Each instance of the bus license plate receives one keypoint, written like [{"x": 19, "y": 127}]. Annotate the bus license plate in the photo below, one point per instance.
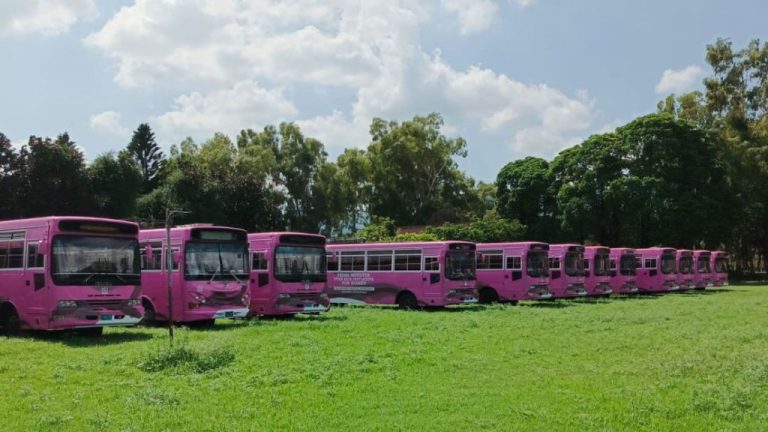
[
  {"x": 229, "y": 314},
  {"x": 106, "y": 317}
]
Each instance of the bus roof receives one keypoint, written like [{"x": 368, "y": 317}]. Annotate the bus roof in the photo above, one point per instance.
[
  {"x": 526, "y": 244},
  {"x": 395, "y": 245},
  {"x": 146, "y": 233},
  {"x": 272, "y": 234},
  {"x": 663, "y": 250},
  {"x": 39, "y": 221}
]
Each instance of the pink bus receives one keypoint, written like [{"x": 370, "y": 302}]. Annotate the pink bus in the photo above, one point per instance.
[
  {"x": 718, "y": 263},
  {"x": 623, "y": 270},
  {"x": 509, "y": 272},
  {"x": 685, "y": 269},
  {"x": 288, "y": 273},
  {"x": 597, "y": 278},
  {"x": 209, "y": 273},
  {"x": 657, "y": 273},
  {"x": 410, "y": 275},
  {"x": 68, "y": 272},
  {"x": 566, "y": 270},
  {"x": 702, "y": 276}
]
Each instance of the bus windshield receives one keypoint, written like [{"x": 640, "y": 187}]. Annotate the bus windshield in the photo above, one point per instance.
[
  {"x": 460, "y": 265},
  {"x": 537, "y": 264},
  {"x": 211, "y": 260},
  {"x": 703, "y": 266},
  {"x": 299, "y": 263},
  {"x": 628, "y": 265},
  {"x": 721, "y": 265},
  {"x": 574, "y": 264},
  {"x": 667, "y": 263},
  {"x": 601, "y": 265},
  {"x": 81, "y": 260},
  {"x": 686, "y": 265}
]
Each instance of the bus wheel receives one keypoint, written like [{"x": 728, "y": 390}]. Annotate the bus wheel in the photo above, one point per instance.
[
  {"x": 10, "y": 321},
  {"x": 90, "y": 331},
  {"x": 488, "y": 295},
  {"x": 150, "y": 318},
  {"x": 407, "y": 300}
]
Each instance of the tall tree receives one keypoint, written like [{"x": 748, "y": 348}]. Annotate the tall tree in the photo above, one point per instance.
[
  {"x": 54, "y": 176},
  {"x": 115, "y": 183},
  {"x": 414, "y": 178},
  {"x": 9, "y": 179},
  {"x": 523, "y": 193},
  {"x": 145, "y": 151}
]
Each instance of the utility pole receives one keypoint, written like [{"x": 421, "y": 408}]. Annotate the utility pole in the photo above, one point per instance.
[{"x": 169, "y": 266}]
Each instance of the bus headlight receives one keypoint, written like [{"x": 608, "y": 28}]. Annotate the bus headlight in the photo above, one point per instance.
[
  {"x": 283, "y": 296},
  {"x": 67, "y": 304},
  {"x": 133, "y": 302},
  {"x": 323, "y": 295}
]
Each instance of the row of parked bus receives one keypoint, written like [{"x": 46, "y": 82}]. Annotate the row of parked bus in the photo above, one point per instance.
[{"x": 88, "y": 273}]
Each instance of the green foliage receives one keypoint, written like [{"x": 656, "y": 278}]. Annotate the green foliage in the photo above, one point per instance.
[
  {"x": 115, "y": 183},
  {"x": 144, "y": 150},
  {"x": 413, "y": 173},
  {"x": 491, "y": 228},
  {"x": 380, "y": 229},
  {"x": 683, "y": 362},
  {"x": 523, "y": 193},
  {"x": 182, "y": 358},
  {"x": 10, "y": 179}
]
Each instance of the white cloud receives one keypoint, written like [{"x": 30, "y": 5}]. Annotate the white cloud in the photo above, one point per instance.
[
  {"x": 678, "y": 80},
  {"x": 372, "y": 49},
  {"x": 523, "y": 3},
  {"x": 20, "y": 17},
  {"x": 109, "y": 122},
  {"x": 244, "y": 105},
  {"x": 474, "y": 15}
]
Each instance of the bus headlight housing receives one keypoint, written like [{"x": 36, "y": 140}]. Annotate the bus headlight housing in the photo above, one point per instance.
[
  {"x": 67, "y": 304},
  {"x": 283, "y": 296},
  {"x": 133, "y": 302}
]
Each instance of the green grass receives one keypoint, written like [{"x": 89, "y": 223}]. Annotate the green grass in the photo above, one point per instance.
[{"x": 675, "y": 362}]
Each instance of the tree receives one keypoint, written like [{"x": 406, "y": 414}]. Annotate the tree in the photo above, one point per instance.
[
  {"x": 115, "y": 183},
  {"x": 145, "y": 151},
  {"x": 414, "y": 178},
  {"x": 9, "y": 179},
  {"x": 54, "y": 177},
  {"x": 523, "y": 193}
]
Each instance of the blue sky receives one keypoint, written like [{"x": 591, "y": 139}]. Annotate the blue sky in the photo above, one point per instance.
[{"x": 513, "y": 77}]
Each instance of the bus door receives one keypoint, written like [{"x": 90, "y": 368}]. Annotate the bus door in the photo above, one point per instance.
[
  {"x": 513, "y": 271},
  {"x": 260, "y": 278},
  {"x": 432, "y": 272}
]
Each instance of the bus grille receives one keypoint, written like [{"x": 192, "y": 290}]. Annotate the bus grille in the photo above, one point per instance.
[
  {"x": 104, "y": 304},
  {"x": 305, "y": 296}
]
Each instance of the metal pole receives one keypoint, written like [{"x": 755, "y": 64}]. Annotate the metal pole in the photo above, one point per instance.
[{"x": 168, "y": 268}]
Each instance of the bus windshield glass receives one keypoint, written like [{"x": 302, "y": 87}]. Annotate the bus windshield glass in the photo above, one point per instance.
[
  {"x": 721, "y": 265},
  {"x": 81, "y": 260},
  {"x": 299, "y": 263},
  {"x": 667, "y": 263},
  {"x": 537, "y": 264},
  {"x": 703, "y": 266},
  {"x": 215, "y": 260},
  {"x": 628, "y": 265},
  {"x": 601, "y": 265},
  {"x": 686, "y": 265},
  {"x": 574, "y": 264},
  {"x": 460, "y": 265}
]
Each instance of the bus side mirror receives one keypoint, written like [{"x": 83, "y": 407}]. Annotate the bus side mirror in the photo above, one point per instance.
[
  {"x": 149, "y": 252},
  {"x": 43, "y": 248},
  {"x": 334, "y": 256},
  {"x": 176, "y": 255}
]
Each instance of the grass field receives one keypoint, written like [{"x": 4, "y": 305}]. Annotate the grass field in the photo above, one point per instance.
[{"x": 695, "y": 361}]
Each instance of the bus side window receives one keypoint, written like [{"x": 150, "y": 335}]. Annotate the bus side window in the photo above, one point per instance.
[
  {"x": 259, "y": 261},
  {"x": 34, "y": 259}
]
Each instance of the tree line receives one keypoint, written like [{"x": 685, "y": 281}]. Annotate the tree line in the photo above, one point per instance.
[{"x": 692, "y": 174}]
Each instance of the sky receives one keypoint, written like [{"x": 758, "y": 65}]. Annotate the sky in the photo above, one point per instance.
[{"x": 512, "y": 77}]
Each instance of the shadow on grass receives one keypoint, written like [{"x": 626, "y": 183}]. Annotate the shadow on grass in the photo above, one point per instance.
[
  {"x": 548, "y": 304},
  {"x": 708, "y": 291},
  {"x": 74, "y": 340},
  {"x": 302, "y": 317}
]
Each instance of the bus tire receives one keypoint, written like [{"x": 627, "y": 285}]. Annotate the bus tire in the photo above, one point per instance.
[
  {"x": 488, "y": 295},
  {"x": 150, "y": 317},
  {"x": 9, "y": 319},
  {"x": 406, "y": 300}
]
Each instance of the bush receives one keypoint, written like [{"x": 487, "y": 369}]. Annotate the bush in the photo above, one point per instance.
[{"x": 182, "y": 358}]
